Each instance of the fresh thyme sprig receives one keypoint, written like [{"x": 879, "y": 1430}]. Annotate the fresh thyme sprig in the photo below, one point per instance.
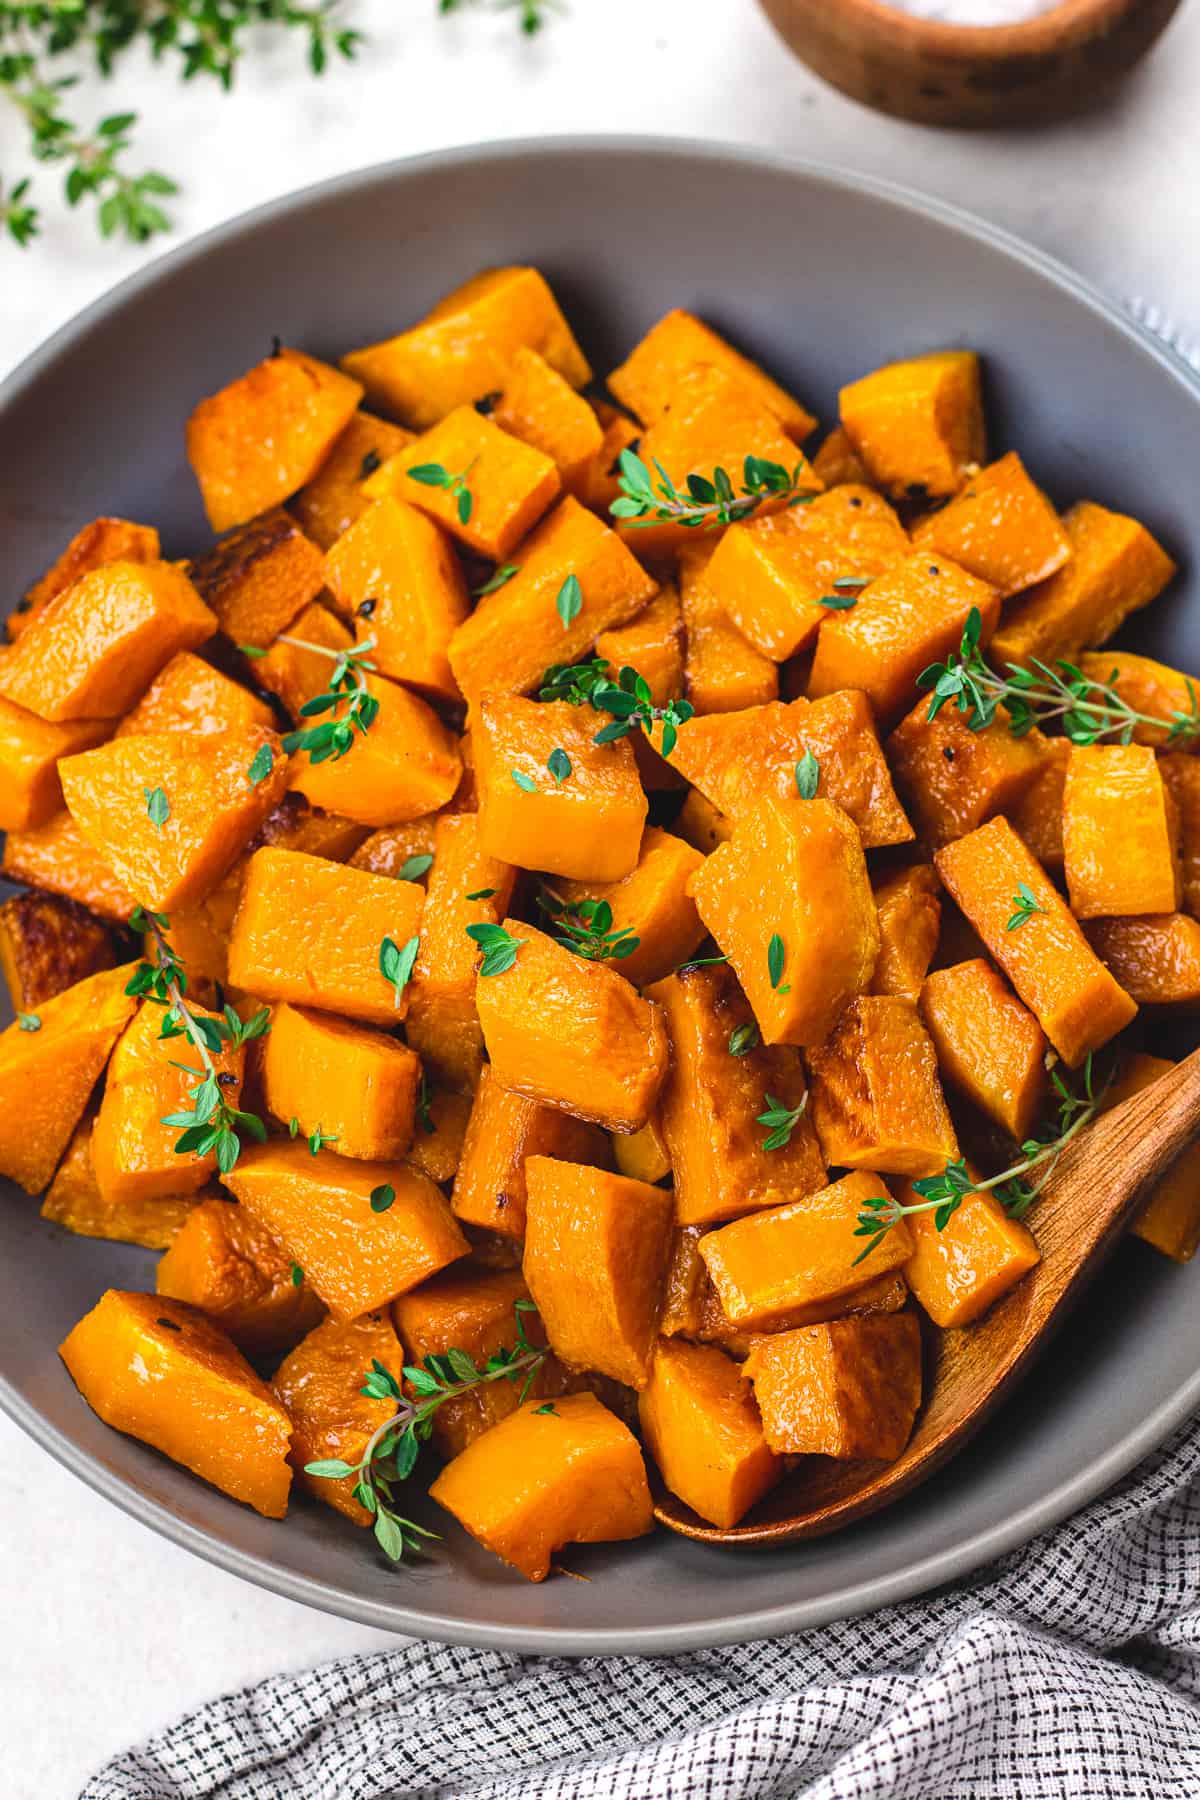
[
  {"x": 332, "y": 738},
  {"x": 629, "y": 699},
  {"x": 210, "y": 1124},
  {"x": 392, "y": 1450},
  {"x": 585, "y": 927},
  {"x": 1024, "y": 903},
  {"x": 499, "y": 948},
  {"x": 1038, "y": 695},
  {"x": 780, "y": 1121},
  {"x": 434, "y": 475},
  {"x": 703, "y": 501}
]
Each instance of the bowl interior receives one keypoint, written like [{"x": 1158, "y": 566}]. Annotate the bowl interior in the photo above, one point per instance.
[{"x": 823, "y": 277}]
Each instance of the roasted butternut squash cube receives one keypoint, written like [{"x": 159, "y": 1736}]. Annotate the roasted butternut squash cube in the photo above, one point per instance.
[
  {"x": 766, "y": 1265},
  {"x": 989, "y": 1046},
  {"x": 443, "y": 1023},
  {"x": 1037, "y": 818},
  {"x": 329, "y": 504},
  {"x": 103, "y": 541},
  {"x": 652, "y": 644},
  {"x": 47, "y": 1073},
  {"x": 320, "y": 1384},
  {"x": 917, "y": 425},
  {"x": 653, "y": 903},
  {"x": 720, "y": 1078},
  {"x": 223, "y": 1262},
  {"x": 1149, "y": 687},
  {"x": 848, "y": 1389},
  {"x": 161, "y": 1372},
  {"x": 959, "y": 1272},
  {"x": 440, "y": 1134},
  {"x": 1155, "y": 957},
  {"x": 388, "y": 851},
  {"x": 680, "y": 343},
  {"x": 406, "y": 765},
  {"x": 554, "y": 1473},
  {"x": 596, "y": 1252},
  {"x": 643, "y": 1155},
  {"x": 294, "y": 674},
  {"x": 952, "y": 778},
  {"x": 357, "y": 1086},
  {"x": 909, "y": 617},
  {"x": 1120, "y": 833},
  {"x": 910, "y": 918},
  {"x": 311, "y": 932},
  {"x": 1062, "y": 981},
  {"x": 1001, "y": 527},
  {"x": 1169, "y": 1219},
  {"x": 295, "y": 825},
  {"x": 540, "y": 407},
  {"x": 257, "y": 440},
  {"x": 398, "y": 574},
  {"x": 189, "y": 695},
  {"x": 1116, "y": 567},
  {"x": 572, "y": 1033},
  {"x": 56, "y": 856},
  {"x": 358, "y": 1249},
  {"x": 723, "y": 672},
  {"x": 877, "y": 1102},
  {"x": 74, "y": 1201},
  {"x": 94, "y": 649},
  {"x": 259, "y": 578},
  {"x": 885, "y": 1294},
  {"x": 463, "y": 349},
  {"x": 30, "y": 749},
  {"x": 503, "y": 1130},
  {"x": 515, "y": 634},
  {"x": 776, "y": 576},
  {"x": 702, "y": 1428},
  {"x": 583, "y": 819},
  {"x": 789, "y": 901},
  {"x": 601, "y": 484},
  {"x": 47, "y": 945},
  {"x": 1181, "y": 777},
  {"x": 837, "y": 462}
]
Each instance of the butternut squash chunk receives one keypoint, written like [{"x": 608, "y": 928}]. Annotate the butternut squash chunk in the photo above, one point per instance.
[
  {"x": 838, "y": 464},
  {"x": 702, "y": 1428},
  {"x": 161, "y": 1372},
  {"x": 1149, "y": 687},
  {"x": 957, "y": 1274},
  {"x": 548, "y": 1476},
  {"x": 47, "y": 945},
  {"x": 601, "y": 484},
  {"x": 789, "y": 902},
  {"x": 1116, "y": 568},
  {"x": 701, "y": 825},
  {"x": 877, "y": 1102},
  {"x": 259, "y": 578},
  {"x": 909, "y": 617},
  {"x": 320, "y": 1384},
  {"x": 583, "y": 819},
  {"x": 952, "y": 779},
  {"x": 408, "y": 764},
  {"x": 74, "y": 1201},
  {"x": 311, "y": 932},
  {"x": 356, "y": 1085},
  {"x": 502, "y": 1131},
  {"x": 1155, "y": 957},
  {"x": 652, "y": 644},
  {"x": 56, "y": 856},
  {"x": 295, "y": 675},
  {"x": 1181, "y": 777},
  {"x": 515, "y": 634},
  {"x": 222, "y": 1262},
  {"x": 917, "y": 425},
  {"x": 47, "y": 1075},
  {"x": 766, "y": 1265},
  {"x": 295, "y": 825},
  {"x": 1120, "y": 833},
  {"x": 910, "y": 917},
  {"x": 1000, "y": 527},
  {"x": 686, "y": 1286},
  {"x": 388, "y": 851},
  {"x": 1037, "y": 818},
  {"x": 358, "y": 1249},
  {"x": 1062, "y": 981},
  {"x": 885, "y": 1294},
  {"x": 989, "y": 1046},
  {"x": 441, "y": 1131},
  {"x": 329, "y": 504},
  {"x": 103, "y": 541},
  {"x": 647, "y": 380},
  {"x": 189, "y": 695},
  {"x": 713, "y": 1095},
  {"x": 398, "y": 574},
  {"x": 643, "y": 1155},
  {"x": 463, "y": 349},
  {"x": 723, "y": 672},
  {"x": 652, "y": 901},
  {"x": 95, "y": 648},
  {"x": 1169, "y": 1219},
  {"x": 30, "y": 749},
  {"x": 540, "y": 407},
  {"x": 266, "y": 434},
  {"x": 849, "y": 1389},
  {"x": 596, "y": 1252}
]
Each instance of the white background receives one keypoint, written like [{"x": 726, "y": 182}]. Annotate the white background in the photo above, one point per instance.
[{"x": 109, "y": 1632}]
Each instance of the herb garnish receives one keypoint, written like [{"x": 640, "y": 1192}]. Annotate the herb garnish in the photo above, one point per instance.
[
  {"x": 559, "y": 765},
  {"x": 261, "y": 766},
  {"x": 480, "y": 894},
  {"x": 526, "y": 783},
  {"x": 782, "y": 1121},
  {"x": 776, "y": 958},
  {"x": 574, "y": 682},
  {"x": 297, "y": 1275},
  {"x": 503, "y": 574},
  {"x": 434, "y": 475},
  {"x": 585, "y": 927},
  {"x": 499, "y": 948},
  {"x": 332, "y": 738},
  {"x": 629, "y": 699},
  {"x": 808, "y": 775},
  {"x": 158, "y": 807},
  {"x": 29, "y": 1021},
  {"x": 414, "y": 867},
  {"x": 396, "y": 962},
  {"x": 317, "y": 1140},
  {"x": 703, "y": 502},
  {"x": 382, "y": 1197},
  {"x": 846, "y": 590},
  {"x": 1026, "y": 903},
  {"x": 700, "y": 962},
  {"x": 743, "y": 1039},
  {"x": 569, "y": 603}
]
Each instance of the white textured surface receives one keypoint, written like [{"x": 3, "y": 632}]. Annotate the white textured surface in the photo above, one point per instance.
[{"x": 108, "y": 1631}]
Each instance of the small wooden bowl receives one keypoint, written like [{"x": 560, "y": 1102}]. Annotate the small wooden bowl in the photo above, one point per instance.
[{"x": 938, "y": 74}]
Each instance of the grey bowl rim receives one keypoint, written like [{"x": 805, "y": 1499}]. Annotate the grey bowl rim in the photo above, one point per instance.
[{"x": 765, "y": 1622}]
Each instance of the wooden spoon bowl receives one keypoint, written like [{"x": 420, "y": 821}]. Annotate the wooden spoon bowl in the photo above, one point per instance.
[{"x": 1082, "y": 1212}]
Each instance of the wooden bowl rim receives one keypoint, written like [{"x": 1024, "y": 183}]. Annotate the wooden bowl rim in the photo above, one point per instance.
[{"x": 1064, "y": 25}]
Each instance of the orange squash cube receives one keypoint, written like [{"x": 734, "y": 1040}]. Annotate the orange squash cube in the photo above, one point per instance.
[
  {"x": 1169, "y": 1220},
  {"x": 329, "y": 504},
  {"x": 357, "y": 1248},
  {"x": 917, "y": 425},
  {"x": 989, "y": 1046},
  {"x": 601, "y": 483},
  {"x": 223, "y": 1262},
  {"x": 74, "y": 1201},
  {"x": 161, "y": 1372},
  {"x": 103, "y": 541},
  {"x": 1120, "y": 833},
  {"x": 189, "y": 695},
  {"x": 30, "y": 749},
  {"x": 643, "y": 1155},
  {"x": 266, "y": 434},
  {"x": 320, "y": 1384},
  {"x": 848, "y": 1389},
  {"x": 1149, "y": 687},
  {"x": 713, "y": 1095},
  {"x": 47, "y": 945},
  {"x": 1001, "y": 527},
  {"x": 1062, "y": 981},
  {"x": 910, "y": 918},
  {"x": 952, "y": 779},
  {"x": 1155, "y": 957},
  {"x": 572, "y": 1033},
  {"x": 505, "y": 1129},
  {"x": 1181, "y": 777},
  {"x": 653, "y": 902},
  {"x": 768, "y": 1264},
  {"x": 260, "y": 577},
  {"x": 906, "y": 619},
  {"x": 297, "y": 675},
  {"x": 723, "y": 672},
  {"x": 958, "y": 1273},
  {"x": 1037, "y": 818},
  {"x": 886, "y": 1294},
  {"x": 702, "y": 1428},
  {"x": 540, "y": 407},
  {"x": 440, "y": 1134},
  {"x": 679, "y": 344},
  {"x": 56, "y": 856},
  {"x": 838, "y": 464},
  {"x": 789, "y": 901},
  {"x": 406, "y": 765},
  {"x": 652, "y": 644},
  {"x": 554, "y": 1473},
  {"x": 877, "y": 1102},
  {"x": 355, "y": 1085},
  {"x": 398, "y": 573}
]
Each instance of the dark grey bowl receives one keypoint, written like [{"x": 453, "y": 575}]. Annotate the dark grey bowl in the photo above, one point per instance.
[{"x": 824, "y": 275}]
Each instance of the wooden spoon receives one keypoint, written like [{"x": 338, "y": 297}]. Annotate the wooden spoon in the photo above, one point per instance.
[{"x": 1080, "y": 1215}]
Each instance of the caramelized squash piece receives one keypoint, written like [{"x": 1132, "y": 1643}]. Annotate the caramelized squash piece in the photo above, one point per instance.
[
  {"x": 876, "y": 1098},
  {"x": 989, "y": 1046},
  {"x": 1149, "y": 687},
  {"x": 849, "y": 1389},
  {"x": 596, "y": 1252},
  {"x": 885, "y": 1294},
  {"x": 56, "y": 856},
  {"x": 74, "y": 1201},
  {"x": 550, "y": 1475},
  {"x": 358, "y": 1087},
  {"x": 1181, "y": 778},
  {"x": 652, "y": 644},
  {"x": 838, "y": 464},
  {"x": 357, "y": 1248},
  {"x": 540, "y": 407},
  {"x": 223, "y": 1262},
  {"x": 47, "y": 945},
  {"x": 680, "y": 343},
  {"x": 103, "y": 541},
  {"x": 643, "y": 1155},
  {"x": 703, "y": 1429},
  {"x": 398, "y": 574},
  {"x": 1001, "y": 527},
  {"x": 161, "y": 1372},
  {"x": 1120, "y": 833},
  {"x": 1061, "y": 980},
  {"x": 653, "y": 902},
  {"x": 30, "y": 749},
  {"x": 329, "y": 504},
  {"x": 952, "y": 779},
  {"x": 789, "y": 901},
  {"x": 723, "y": 672},
  {"x": 503, "y": 1130},
  {"x": 687, "y": 1288},
  {"x": 910, "y": 918},
  {"x": 189, "y": 695},
  {"x": 320, "y": 1384},
  {"x": 441, "y": 1131},
  {"x": 298, "y": 675},
  {"x": 1037, "y": 818},
  {"x": 266, "y": 434},
  {"x": 1155, "y": 958},
  {"x": 572, "y": 1033},
  {"x": 958, "y": 1273},
  {"x": 917, "y": 425},
  {"x": 259, "y": 578},
  {"x": 1169, "y": 1219},
  {"x": 408, "y": 764}
]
